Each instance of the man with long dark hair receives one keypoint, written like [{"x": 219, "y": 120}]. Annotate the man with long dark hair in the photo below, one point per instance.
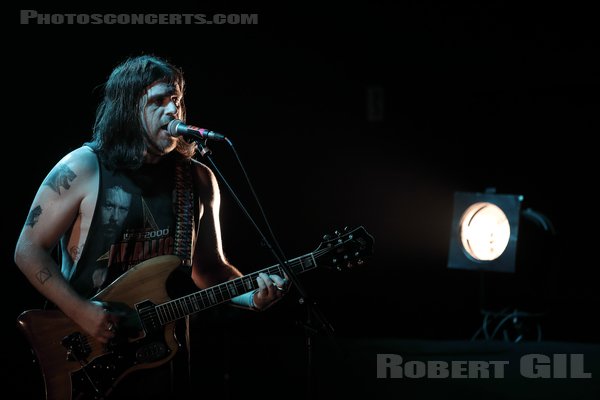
[{"x": 131, "y": 194}]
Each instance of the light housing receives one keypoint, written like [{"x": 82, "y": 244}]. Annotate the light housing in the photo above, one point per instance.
[{"x": 485, "y": 228}]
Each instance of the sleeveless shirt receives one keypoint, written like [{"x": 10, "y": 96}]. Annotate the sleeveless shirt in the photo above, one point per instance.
[{"x": 134, "y": 220}]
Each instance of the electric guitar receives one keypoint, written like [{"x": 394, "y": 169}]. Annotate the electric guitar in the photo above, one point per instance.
[{"x": 76, "y": 366}]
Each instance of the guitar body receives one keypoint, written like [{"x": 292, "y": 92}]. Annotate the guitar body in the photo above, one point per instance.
[{"x": 76, "y": 366}]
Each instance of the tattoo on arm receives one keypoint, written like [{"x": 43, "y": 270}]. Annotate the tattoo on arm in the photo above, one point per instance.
[
  {"x": 33, "y": 216},
  {"x": 61, "y": 176},
  {"x": 43, "y": 275}
]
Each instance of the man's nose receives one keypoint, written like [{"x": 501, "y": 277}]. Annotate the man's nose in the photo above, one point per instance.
[
  {"x": 171, "y": 108},
  {"x": 115, "y": 215}
]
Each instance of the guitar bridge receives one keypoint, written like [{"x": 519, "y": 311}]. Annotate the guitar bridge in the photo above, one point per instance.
[{"x": 77, "y": 346}]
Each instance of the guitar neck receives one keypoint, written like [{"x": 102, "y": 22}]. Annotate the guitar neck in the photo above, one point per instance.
[{"x": 178, "y": 308}]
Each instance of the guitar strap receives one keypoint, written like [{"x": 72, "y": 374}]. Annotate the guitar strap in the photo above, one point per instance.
[
  {"x": 184, "y": 212},
  {"x": 185, "y": 205}
]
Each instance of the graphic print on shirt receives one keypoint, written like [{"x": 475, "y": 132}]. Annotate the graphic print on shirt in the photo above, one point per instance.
[
  {"x": 130, "y": 243},
  {"x": 138, "y": 244},
  {"x": 113, "y": 211}
]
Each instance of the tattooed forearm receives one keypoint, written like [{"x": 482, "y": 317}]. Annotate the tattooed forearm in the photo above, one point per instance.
[
  {"x": 61, "y": 176},
  {"x": 33, "y": 216},
  {"x": 43, "y": 275}
]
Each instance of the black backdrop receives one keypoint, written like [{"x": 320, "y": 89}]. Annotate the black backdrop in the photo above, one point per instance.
[{"x": 466, "y": 97}]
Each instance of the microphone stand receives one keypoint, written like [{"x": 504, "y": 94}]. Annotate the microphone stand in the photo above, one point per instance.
[{"x": 315, "y": 319}]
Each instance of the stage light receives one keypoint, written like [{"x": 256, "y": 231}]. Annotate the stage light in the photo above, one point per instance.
[{"x": 485, "y": 227}]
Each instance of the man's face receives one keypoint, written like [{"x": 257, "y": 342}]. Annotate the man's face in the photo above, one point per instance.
[
  {"x": 115, "y": 210},
  {"x": 160, "y": 104}
]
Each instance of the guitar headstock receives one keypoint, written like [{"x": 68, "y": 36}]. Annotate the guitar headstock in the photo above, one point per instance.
[{"x": 345, "y": 249}]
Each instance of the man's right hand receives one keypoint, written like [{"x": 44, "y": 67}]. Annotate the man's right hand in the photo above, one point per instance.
[{"x": 95, "y": 319}]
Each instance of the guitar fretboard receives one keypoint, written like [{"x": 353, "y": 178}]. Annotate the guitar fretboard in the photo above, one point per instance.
[{"x": 215, "y": 295}]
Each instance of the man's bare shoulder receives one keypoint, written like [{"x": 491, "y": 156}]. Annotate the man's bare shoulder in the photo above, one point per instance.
[
  {"x": 203, "y": 173},
  {"x": 76, "y": 169},
  {"x": 82, "y": 161},
  {"x": 206, "y": 182}
]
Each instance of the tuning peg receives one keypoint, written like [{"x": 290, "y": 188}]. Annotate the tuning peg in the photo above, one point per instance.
[
  {"x": 346, "y": 228},
  {"x": 326, "y": 237},
  {"x": 338, "y": 233}
]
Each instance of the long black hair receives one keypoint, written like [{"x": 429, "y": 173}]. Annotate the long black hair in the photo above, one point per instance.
[{"x": 118, "y": 132}]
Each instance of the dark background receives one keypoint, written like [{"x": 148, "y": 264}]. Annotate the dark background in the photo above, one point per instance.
[{"x": 474, "y": 96}]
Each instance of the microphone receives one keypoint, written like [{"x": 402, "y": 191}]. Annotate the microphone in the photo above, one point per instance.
[{"x": 177, "y": 128}]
